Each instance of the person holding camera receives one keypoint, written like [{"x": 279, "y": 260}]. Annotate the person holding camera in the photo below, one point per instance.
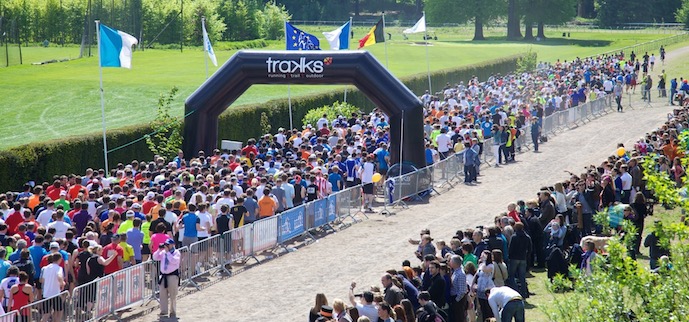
[{"x": 169, "y": 259}]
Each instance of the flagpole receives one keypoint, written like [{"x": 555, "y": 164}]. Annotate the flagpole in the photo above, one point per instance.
[
  {"x": 205, "y": 49},
  {"x": 102, "y": 99},
  {"x": 205, "y": 46},
  {"x": 349, "y": 32},
  {"x": 428, "y": 62},
  {"x": 289, "y": 103},
  {"x": 386, "y": 43},
  {"x": 289, "y": 88}
]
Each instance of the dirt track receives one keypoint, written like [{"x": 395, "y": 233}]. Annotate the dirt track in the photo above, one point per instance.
[{"x": 283, "y": 289}]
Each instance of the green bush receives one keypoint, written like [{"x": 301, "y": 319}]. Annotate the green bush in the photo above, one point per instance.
[
  {"x": 332, "y": 111},
  {"x": 40, "y": 161}
]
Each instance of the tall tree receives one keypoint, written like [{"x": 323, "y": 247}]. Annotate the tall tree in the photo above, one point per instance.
[
  {"x": 682, "y": 14},
  {"x": 542, "y": 12},
  {"x": 513, "y": 31},
  {"x": 478, "y": 11}
]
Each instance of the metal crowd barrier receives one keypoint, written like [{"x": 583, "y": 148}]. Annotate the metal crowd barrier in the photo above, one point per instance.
[
  {"x": 446, "y": 171},
  {"x": 9, "y": 316},
  {"x": 36, "y": 311}
]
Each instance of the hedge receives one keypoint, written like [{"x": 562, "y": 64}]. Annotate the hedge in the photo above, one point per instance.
[{"x": 40, "y": 161}]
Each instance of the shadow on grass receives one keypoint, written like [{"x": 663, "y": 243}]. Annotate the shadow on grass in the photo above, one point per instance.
[{"x": 544, "y": 42}]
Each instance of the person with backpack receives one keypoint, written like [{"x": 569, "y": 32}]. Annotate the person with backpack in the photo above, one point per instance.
[{"x": 429, "y": 312}]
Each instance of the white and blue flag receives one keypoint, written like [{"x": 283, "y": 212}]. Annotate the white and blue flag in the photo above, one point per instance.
[
  {"x": 115, "y": 47},
  {"x": 339, "y": 38},
  {"x": 207, "y": 44}
]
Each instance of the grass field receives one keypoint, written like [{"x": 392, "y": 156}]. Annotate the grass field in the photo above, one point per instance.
[{"x": 58, "y": 100}]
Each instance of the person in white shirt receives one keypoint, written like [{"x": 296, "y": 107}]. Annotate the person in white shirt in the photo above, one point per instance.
[
  {"x": 506, "y": 304},
  {"x": 444, "y": 143},
  {"x": 626, "y": 184},
  {"x": 59, "y": 224},
  {"x": 366, "y": 174},
  {"x": 366, "y": 307},
  {"x": 53, "y": 281},
  {"x": 226, "y": 199},
  {"x": 7, "y": 283},
  {"x": 205, "y": 220},
  {"x": 46, "y": 215},
  {"x": 322, "y": 121}
]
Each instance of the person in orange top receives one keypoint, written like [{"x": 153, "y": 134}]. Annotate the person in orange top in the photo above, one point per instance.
[
  {"x": 76, "y": 189},
  {"x": 669, "y": 149},
  {"x": 35, "y": 199},
  {"x": 266, "y": 205},
  {"x": 160, "y": 204}
]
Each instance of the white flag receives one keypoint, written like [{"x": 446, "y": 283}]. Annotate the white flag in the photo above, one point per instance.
[
  {"x": 338, "y": 38},
  {"x": 420, "y": 26},
  {"x": 207, "y": 44}
]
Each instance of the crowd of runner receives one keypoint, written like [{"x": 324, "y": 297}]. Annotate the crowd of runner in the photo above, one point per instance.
[
  {"x": 481, "y": 273},
  {"x": 61, "y": 234}
]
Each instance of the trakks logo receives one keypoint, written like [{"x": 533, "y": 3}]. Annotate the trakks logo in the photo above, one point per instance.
[{"x": 296, "y": 68}]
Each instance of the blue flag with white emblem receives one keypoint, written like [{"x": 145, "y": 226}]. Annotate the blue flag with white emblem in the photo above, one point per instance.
[{"x": 296, "y": 39}]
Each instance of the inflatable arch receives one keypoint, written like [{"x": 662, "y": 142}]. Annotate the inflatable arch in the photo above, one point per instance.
[{"x": 358, "y": 68}]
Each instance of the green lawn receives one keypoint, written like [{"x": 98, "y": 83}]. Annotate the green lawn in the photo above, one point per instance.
[{"x": 58, "y": 100}]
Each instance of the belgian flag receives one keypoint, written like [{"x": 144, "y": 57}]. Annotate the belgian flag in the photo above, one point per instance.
[{"x": 376, "y": 35}]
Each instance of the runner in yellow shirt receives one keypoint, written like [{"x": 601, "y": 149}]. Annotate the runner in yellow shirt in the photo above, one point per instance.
[{"x": 128, "y": 252}]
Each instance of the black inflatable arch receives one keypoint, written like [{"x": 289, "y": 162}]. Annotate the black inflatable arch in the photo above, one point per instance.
[{"x": 358, "y": 68}]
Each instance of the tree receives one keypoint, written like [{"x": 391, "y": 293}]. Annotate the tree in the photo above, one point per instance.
[
  {"x": 480, "y": 11},
  {"x": 272, "y": 21},
  {"x": 166, "y": 139},
  {"x": 541, "y": 12},
  {"x": 242, "y": 16},
  {"x": 513, "y": 31},
  {"x": 682, "y": 14}
]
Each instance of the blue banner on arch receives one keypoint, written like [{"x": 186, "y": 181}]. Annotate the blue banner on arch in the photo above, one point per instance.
[
  {"x": 332, "y": 208},
  {"x": 320, "y": 213},
  {"x": 291, "y": 224}
]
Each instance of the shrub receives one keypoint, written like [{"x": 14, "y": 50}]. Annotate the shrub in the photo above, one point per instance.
[{"x": 332, "y": 111}]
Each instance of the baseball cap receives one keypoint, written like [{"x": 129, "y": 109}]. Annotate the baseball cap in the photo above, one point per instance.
[
  {"x": 116, "y": 236},
  {"x": 169, "y": 241},
  {"x": 54, "y": 245},
  {"x": 130, "y": 213}
]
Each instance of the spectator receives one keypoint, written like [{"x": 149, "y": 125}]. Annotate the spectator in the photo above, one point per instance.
[
  {"x": 506, "y": 304},
  {"x": 321, "y": 300},
  {"x": 169, "y": 259},
  {"x": 437, "y": 286},
  {"x": 385, "y": 313},
  {"x": 520, "y": 249},
  {"x": 392, "y": 293},
  {"x": 458, "y": 290}
]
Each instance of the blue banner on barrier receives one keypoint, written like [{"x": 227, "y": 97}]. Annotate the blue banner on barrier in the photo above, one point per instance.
[
  {"x": 321, "y": 212},
  {"x": 332, "y": 208},
  {"x": 291, "y": 224}
]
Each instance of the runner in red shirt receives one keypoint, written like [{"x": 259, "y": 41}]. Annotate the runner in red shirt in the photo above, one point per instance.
[
  {"x": 53, "y": 192},
  {"x": 14, "y": 219},
  {"x": 108, "y": 250}
]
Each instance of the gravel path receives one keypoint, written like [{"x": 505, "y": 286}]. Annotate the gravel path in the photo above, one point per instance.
[{"x": 283, "y": 289}]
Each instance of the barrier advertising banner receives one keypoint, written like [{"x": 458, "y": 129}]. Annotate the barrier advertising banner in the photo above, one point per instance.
[{"x": 291, "y": 223}]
